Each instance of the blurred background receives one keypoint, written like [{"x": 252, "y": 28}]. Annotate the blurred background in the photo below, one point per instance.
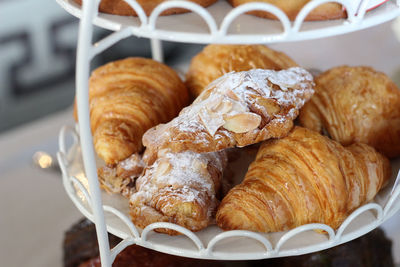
[
  {"x": 37, "y": 58},
  {"x": 37, "y": 70}
]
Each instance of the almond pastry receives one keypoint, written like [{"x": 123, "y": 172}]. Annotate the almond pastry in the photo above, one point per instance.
[
  {"x": 180, "y": 188},
  {"x": 238, "y": 109}
]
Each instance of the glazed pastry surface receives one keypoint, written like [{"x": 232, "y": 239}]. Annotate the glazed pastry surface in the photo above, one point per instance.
[
  {"x": 291, "y": 8},
  {"x": 216, "y": 60},
  {"x": 180, "y": 188},
  {"x": 127, "y": 97},
  {"x": 356, "y": 104},
  {"x": 237, "y": 109},
  {"x": 120, "y": 7},
  {"x": 300, "y": 179}
]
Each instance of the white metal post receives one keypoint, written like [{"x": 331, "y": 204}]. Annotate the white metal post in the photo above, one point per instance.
[
  {"x": 156, "y": 50},
  {"x": 82, "y": 97}
]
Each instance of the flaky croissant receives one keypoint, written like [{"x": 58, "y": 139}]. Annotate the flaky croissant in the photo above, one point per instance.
[
  {"x": 216, "y": 60},
  {"x": 356, "y": 104},
  {"x": 127, "y": 97},
  {"x": 303, "y": 178},
  {"x": 180, "y": 188},
  {"x": 238, "y": 109}
]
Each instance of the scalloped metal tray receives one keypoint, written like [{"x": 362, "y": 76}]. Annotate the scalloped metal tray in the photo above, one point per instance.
[
  {"x": 220, "y": 23},
  {"x": 212, "y": 242}
]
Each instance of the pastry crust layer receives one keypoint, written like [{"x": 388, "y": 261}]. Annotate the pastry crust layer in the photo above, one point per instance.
[
  {"x": 300, "y": 179},
  {"x": 356, "y": 104},
  {"x": 216, "y": 60}
]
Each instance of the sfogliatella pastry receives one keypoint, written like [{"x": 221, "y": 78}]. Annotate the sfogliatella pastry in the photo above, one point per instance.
[
  {"x": 303, "y": 178},
  {"x": 127, "y": 97},
  {"x": 325, "y": 11},
  {"x": 216, "y": 60},
  {"x": 120, "y": 178},
  {"x": 120, "y": 7},
  {"x": 238, "y": 109},
  {"x": 180, "y": 188},
  {"x": 356, "y": 104}
]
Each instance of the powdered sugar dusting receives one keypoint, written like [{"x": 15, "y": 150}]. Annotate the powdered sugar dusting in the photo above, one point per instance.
[
  {"x": 184, "y": 174},
  {"x": 290, "y": 89},
  {"x": 132, "y": 162}
]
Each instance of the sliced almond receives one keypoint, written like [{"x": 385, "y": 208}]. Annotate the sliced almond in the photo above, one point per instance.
[
  {"x": 223, "y": 107},
  {"x": 212, "y": 121},
  {"x": 231, "y": 94},
  {"x": 162, "y": 152},
  {"x": 204, "y": 95},
  {"x": 163, "y": 168},
  {"x": 213, "y": 102},
  {"x": 271, "y": 107},
  {"x": 242, "y": 123},
  {"x": 199, "y": 165}
]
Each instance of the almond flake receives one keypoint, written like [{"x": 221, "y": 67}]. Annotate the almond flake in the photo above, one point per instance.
[
  {"x": 163, "y": 168},
  {"x": 229, "y": 93},
  {"x": 242, "y": 123},
  {"x": 162, "y": 152},
  {"x": 271, "y": 107},
  {"x": 212, "y": 121},
  {"x": 223, "y": 107}
]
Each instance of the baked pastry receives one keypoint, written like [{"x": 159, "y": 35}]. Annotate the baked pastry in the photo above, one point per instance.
[
  {"x": 120, "y": 178},
  {"x": 238, "y": 109},
  {"x": 300, "y": 179},
  {"x": 180, "y": 188},
  {"x": 122, "y": 8},
  {"x": 127, "y": 97},
  {"x": 216, "y": 60},
  {"x": 291, "y": 8},
  {"x": 356, "y": 104}
]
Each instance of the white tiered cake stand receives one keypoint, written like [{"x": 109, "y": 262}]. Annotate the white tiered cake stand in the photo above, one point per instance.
[{"x": 219, "y": 23}]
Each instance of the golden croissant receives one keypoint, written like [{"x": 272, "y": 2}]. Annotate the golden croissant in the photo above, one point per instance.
[
  {"x": 127, "y": 97},
  {"x": 216, "y": 60},
  {"x": 238, "y": 109},
  {"x": 180, "y": 188},
  {"x": 356, "y": 104},
  {"x": 300, "y": 179}
]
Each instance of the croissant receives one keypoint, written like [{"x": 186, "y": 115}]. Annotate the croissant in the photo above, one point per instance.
[
  {"x": 356, "y": 104},
  {"x": 127, "y": 97},
  {"x": 303, "y": 178},
  {"x": 180, "y": 188},
  {"x": 237, "y": 109},
  {"x": 325, "y": 11},
  {"x": 216, "y": 60}
]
